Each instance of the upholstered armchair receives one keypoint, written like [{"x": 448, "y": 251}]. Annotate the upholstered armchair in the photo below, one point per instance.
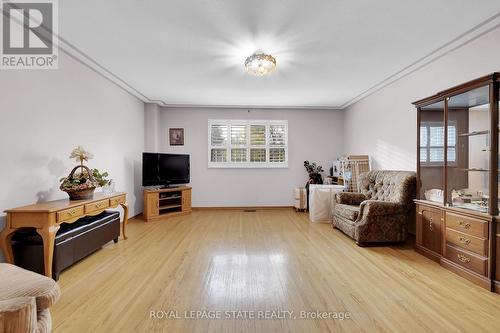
[
  {"x": 380, "y": 213},
  {"x": 25, "y": 299}
]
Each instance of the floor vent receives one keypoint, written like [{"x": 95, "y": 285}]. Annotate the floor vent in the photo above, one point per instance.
[{"x": 249, "y": 210}]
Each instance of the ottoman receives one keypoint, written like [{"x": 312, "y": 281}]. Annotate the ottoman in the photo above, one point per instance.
[{"x": 74, "y": 241}]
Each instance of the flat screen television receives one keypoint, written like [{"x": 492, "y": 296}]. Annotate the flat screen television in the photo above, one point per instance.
[{"x": 164, "y": 169}]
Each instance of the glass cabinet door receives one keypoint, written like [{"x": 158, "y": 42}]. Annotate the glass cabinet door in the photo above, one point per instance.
[
  {"x": 469, "y": 149},
  {"x": 431, "y": 131}
]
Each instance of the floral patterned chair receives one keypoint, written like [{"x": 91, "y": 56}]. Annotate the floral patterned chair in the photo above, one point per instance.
[{"x": 380, "y": 213}]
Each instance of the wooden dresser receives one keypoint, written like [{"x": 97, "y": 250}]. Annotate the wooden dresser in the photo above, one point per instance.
[
  {"x": 459, "y": 240},
  {"x": 458, "y": 179}
]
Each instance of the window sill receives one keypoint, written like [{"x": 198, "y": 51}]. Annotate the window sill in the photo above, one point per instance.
[{"x": 248, "y": 166}]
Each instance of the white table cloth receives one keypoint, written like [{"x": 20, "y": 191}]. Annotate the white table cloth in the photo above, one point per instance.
[{"x": 321, "y": 202}]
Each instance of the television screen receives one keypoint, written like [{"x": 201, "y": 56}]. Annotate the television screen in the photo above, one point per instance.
[{"x": 165, "y": 169}]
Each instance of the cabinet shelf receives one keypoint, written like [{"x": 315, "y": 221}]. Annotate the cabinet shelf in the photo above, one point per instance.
[
  {"x": 475, "y": 133},
  {"x": 169, "y": 207},
  {"x": 171, "y": 198},
  {"x": 474, "y": 170}
]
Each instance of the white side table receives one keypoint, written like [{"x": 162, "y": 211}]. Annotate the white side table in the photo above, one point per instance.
[{"x": 300, "y": 199}]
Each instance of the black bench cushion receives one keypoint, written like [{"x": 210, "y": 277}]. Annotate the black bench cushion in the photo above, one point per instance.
[
  {"x": 84, "y": 224},
  {"x": 68, "y": 230}
]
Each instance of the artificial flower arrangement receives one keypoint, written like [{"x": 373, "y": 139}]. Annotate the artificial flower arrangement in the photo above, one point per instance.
[
  {"x": 82, "y": 181},
  {"x": 314, "y": 171}
]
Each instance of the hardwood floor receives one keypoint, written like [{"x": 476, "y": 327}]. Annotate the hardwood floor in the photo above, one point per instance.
[{"x": 266, "y": 260}]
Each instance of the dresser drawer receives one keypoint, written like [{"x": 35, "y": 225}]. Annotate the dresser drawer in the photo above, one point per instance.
[
  {"x": 466, "y": 259},
  {"x": 467, "y": 225},
  {"x": 70, "y": 214},
  {"x": 116, "y": 201},
  {"x": 468, "y": 242},
  {"x": 95, "y": 206}
]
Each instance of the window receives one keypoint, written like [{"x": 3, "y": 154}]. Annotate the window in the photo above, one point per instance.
[
  {"x": 247, "y": 143},
  {"x": 432, "y": 143}
]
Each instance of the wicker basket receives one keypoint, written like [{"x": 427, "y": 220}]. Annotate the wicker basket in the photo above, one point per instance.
[{"x": 82, "y": 194}]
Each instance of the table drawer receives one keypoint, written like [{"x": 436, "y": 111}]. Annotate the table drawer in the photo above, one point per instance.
[
  {"x": 468, "y": 242},
  {"x": 466, "y": 259},
  {"x": 467, "y": 225},
  {"x": 116, "y": 201},
  {"x": 95, "y": 206},
  {"x": 70, "y": 214}
]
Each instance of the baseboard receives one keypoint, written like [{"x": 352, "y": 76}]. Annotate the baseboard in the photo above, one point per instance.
[
  {"x": 496, "y": 287},
  {"x": 242, "y": 208},
  {"x": 473, "y": 277},
  {"x": 135, "y": 217},
  {"x": 427, "y": 253}
]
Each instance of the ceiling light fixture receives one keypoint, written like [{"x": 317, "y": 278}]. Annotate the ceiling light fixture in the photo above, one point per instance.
[{"x": 260, "y": 64}]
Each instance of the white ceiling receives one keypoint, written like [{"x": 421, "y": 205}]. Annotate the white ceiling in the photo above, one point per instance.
[{"x": 187, "y": 52}]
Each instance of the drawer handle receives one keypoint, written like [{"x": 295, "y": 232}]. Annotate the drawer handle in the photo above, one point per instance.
[
  {"x": 464, "y": 224},
  {"x": 98, "y": 205},
  {"x": 464, "y": 240},
  {"x": 431, "y": 226},
  {"x": 72, "y": 212},
  {"x": 463, "y": 258}
]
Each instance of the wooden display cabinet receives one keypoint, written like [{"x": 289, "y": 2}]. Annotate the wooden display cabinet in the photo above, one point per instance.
[
  {"x": 458, "y": 179},
  {"x": 161, "y": 203},
  {"x": 429, "y": 230}
]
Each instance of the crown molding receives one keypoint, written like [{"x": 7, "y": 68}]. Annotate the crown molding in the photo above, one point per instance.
[
  {"x": 470, "y": 35},
  {"x": 254, "y": 107},
  {"x": 86, "y": 60}
]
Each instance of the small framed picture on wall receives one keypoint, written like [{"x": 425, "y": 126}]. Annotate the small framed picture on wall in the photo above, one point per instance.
[{"x": 176, "y": 136}]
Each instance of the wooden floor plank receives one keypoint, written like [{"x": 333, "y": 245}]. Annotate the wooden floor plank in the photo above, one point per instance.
[{"x": 230, "y": 260}]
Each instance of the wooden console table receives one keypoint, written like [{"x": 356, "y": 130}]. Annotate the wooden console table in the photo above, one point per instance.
[{"x": 47, "y": 217}]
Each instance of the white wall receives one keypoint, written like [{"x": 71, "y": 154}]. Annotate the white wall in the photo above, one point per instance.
[
  {"x": 151, "y": 122},
  {"x": 314, "y": 135},
  {"x": 384, "y": 124},
  {"x": 44, "y": 114}
]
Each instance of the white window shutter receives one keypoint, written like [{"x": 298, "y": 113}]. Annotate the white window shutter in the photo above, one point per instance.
[
  {"x": 238, "y": 135},
  {"x": 247, "y": 143},
  {"x": 258, "y": 135},
  {"x": 277, "y": 135},
  {"x": 277, "y": 155},
  {"x": 218, "y": 134},
  {"x": 218, "y": 155}
]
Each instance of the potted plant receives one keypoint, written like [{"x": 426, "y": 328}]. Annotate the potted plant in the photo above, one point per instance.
[
  {"x": 101, "y": 177},
  {"x": 81, "y": 182},
  {"x": 314, "y": 172}
]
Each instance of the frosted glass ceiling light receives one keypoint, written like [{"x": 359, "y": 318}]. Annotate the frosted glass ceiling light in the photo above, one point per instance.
[{"x": 260, "y": 64}]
